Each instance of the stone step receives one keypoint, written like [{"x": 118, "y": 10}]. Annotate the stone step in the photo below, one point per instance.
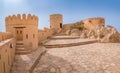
[
  {"x": 22, "y": 51},
  {"x": 19, "y": 46},
  {"x": 19, "y": 43},
  {"x": 70, "y": 44},
  {"x": 64, "y": 37}
]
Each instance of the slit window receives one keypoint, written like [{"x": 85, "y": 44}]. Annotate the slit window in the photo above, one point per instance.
[
  {"x": 33, "y": 35},
  {"x": 20, "y": 32},
  {"x": 26, "y": 36},
  {"x": 0, "y": 56},
  {"x": 4, "y": 67},
  {"x": 17, "y": 32}
]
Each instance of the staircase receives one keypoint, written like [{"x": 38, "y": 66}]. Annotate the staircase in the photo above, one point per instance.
[{"x": 21, "y": 49}]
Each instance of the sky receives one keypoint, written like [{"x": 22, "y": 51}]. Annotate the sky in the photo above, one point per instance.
[{"x": 72, "y": 10}]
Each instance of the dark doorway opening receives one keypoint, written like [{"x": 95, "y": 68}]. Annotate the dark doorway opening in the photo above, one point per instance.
[{"x": 60, "y": 25}]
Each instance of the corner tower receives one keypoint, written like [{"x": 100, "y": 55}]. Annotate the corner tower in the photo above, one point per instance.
[{"x": 56, "y": 22}]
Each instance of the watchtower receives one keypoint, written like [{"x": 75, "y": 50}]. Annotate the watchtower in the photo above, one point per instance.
[
  {"x": 25, "y": 29},
  {"x": 56, "y": 22}
]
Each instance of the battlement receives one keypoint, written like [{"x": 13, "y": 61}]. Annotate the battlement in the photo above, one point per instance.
[
  {"x": 55, "y": 16},
  {"x": 21, "y": 19}
]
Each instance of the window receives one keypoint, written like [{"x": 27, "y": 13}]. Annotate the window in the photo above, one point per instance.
[
  {"x": 11, "y": 45},
  {"x": 90, "y": 21},
  {"x": 0, "y": 56},
  {"x": 6, "y": 50},
  {"x": 8, "y": 61},
  {"x": 17, "y": 32},
  {"x": 60, "y": 25},
  {"x": 20, "y": 31},
  {"x": 26, "y": 36},
  {"x": 4, "y": 67},
  {"x": 33, "y": 35}
]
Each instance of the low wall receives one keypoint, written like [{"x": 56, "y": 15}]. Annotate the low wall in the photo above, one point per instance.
[
  {"x": 7, "y": 53},
  {"x": 44, "y": 34},
  {"x": 5, "y": 35}
]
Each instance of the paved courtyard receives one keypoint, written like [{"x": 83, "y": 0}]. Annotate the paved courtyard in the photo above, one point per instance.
[
  {"x": 89, "y": 58},
  {"x": 66, "y": 41}
]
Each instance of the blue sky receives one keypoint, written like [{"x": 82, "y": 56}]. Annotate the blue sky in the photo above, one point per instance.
[{"x": 72, "y": 10}]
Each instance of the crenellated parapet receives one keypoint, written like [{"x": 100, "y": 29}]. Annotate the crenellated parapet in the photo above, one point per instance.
[{"x": 22, "y": 19}]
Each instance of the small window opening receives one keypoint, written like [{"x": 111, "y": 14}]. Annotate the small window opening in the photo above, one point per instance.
[
  {"x": 26, "y": 36},
  {"x": 17, "y": 32},
  {"x": 33, "y": 35},
  {"x": 20, "y": 32}
]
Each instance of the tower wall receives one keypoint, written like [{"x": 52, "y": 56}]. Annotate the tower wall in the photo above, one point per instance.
[
  {"x": 25, "y": 28},
  {"x": 55, "y": 21},
  {"x": 20, "y": 20}
]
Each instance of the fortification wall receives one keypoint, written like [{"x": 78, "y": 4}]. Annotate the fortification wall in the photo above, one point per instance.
[
  {"x": 30, "y": 37},
  {"x": 20, "y": 21},
  {"x": 5, "y": 35},
  {"x": 44, "y": 34},
  {"x": 92, "y": 23},
  {"x": 24, "y": 28},
  {"x": 7, "y": 53}
]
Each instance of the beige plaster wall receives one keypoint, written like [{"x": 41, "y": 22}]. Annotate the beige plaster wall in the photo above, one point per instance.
[
  {"x": 30, "y": 37},
  {"x": 5, "y": 35},
  {"x": 44, "y": 34},
  {"x": 6, "y": 55}
]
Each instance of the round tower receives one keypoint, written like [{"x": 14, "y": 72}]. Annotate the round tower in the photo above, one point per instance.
[{"x": 56, "y": 22}]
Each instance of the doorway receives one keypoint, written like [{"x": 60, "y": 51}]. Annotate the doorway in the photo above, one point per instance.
[
  {"x": 60, "y": 25},
  {"x": 19, "y": 33}
]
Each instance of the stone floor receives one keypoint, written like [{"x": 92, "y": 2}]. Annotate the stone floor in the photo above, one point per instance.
[
  {"x": 23, "y": 63},
  {"x": 91, "y": 58},
  {"x": 66, "y": 41},
  {"x": 88, "y": 58}
]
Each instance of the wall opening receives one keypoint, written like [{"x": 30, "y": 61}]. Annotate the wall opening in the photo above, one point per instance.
[
  {"x": 17, "y": 31},
  {"x": 0, "y": 56},
  {"x": 20, "y": 31},
  {"x": 8, "y": 61},
  {"x": 26, "y": 36},
  {"x": 4, "y": 67},
  {"x": 33, "y": 35},
  {"x": 60, "y": 25}
]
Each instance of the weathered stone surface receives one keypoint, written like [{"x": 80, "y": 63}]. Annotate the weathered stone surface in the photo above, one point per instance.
[
  {"x": 75, "y": 32},
  {"x": 23, "y": 66}
]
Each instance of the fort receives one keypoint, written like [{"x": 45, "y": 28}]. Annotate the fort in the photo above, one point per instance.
[
  {"x": 22, "y": 35},
  {"x": 25, "y": 36}
]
